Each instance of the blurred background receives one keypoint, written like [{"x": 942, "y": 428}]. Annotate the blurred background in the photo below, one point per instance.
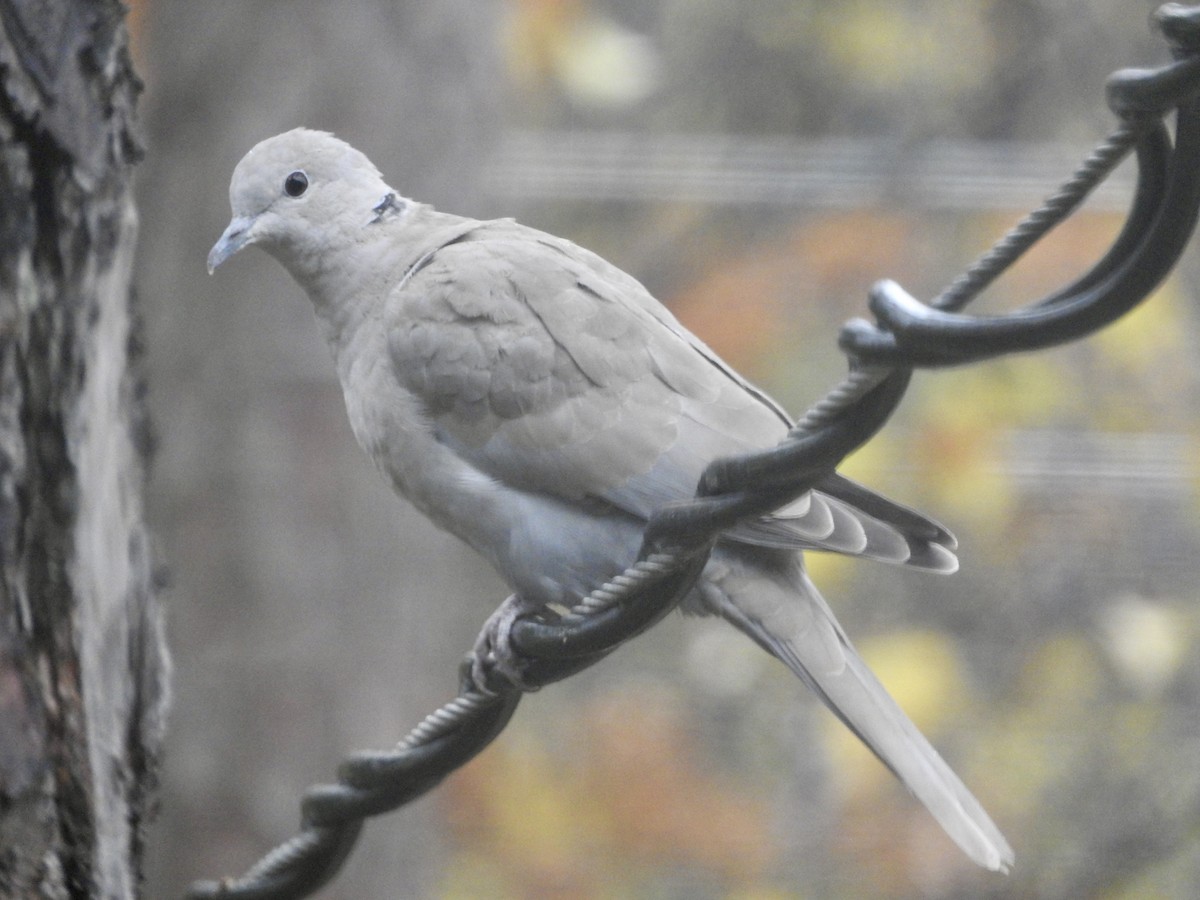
[{"x": 758, "y": 166}]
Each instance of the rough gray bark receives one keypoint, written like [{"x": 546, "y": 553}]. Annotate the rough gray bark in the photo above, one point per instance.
[{"x": 82, "y": 657}]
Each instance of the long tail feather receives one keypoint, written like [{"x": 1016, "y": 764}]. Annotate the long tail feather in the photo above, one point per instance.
[{"x": 793, "y": 623}]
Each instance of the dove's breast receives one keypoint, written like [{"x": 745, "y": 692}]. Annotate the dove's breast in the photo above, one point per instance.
[
  {"x": 547, "y": 549},
  {"x": 391, "y": 425}
]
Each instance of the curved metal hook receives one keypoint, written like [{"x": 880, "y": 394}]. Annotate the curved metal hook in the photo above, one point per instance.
[
  {"x": 914, "y": 333},
  {"x": 1160, "y": 222}
]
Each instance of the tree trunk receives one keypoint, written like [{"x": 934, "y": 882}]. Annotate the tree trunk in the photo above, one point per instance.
[{"x": 83, "y": 665}]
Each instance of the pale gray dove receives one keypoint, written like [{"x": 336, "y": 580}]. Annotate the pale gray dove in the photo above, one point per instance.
[{"x": 537, "y": 402}]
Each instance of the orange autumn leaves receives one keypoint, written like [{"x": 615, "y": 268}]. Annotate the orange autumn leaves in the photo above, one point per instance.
[{"x": 623, "y": 798}]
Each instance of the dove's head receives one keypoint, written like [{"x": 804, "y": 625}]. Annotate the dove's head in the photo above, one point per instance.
[{"x": 291, "y": 194}]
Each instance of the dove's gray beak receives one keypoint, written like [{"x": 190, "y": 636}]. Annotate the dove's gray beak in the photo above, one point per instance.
[{"x": 235, "y": 237}]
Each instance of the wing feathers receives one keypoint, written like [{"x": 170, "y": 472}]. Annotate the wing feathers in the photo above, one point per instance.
[{"x": 553, "y": 371}]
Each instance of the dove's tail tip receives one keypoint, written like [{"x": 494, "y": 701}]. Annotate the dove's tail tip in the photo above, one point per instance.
[
  {"x": 932, "y": 782},
  {"x": 979, "y": 838},
  {"x": 789, "y": 618}
]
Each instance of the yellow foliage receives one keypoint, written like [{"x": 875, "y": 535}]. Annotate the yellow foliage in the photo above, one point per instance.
[
  {"x": 961, "y": 471},
  {"x": 873, "y": 461},
  {"x": 534, "y": 810},
  {"x": 592, "y": 819},
  {"x": 524, "y": 815},
  {"x": 829, "y": 571},
  {"x": 1147, "y": 642},
  {"x": 1039, "y": 742},
  {"x": 471, "y": 875},
  {"x": 886, "y": 45},
  {"x": 762, "y": 893},
  {"x": 569, "y": 43},
  {"x": 535, "y": 29},
  {"x": 966, "y": 416},
  {"x": 1019, "y": 392},
  {"x": 1141, "y": 340},
  {"x": 1061, "y": 676},
  {"x": 1134, "y": 727}
]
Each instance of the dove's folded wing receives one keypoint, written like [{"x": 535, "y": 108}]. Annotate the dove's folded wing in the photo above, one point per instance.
[{"x": 552, "y": 371}]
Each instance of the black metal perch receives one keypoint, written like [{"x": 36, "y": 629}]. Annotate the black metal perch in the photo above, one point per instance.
[{"x": 906, "y": 334}]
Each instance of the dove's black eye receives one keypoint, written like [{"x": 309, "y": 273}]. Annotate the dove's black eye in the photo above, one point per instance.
[{"x": 295, "y": 184}]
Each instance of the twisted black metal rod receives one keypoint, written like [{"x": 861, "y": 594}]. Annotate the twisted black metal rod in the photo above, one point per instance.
[
  {"x": 678, "y": 538},
  {"x": 1057, "y": 208},
  {"x": 909, "y": 332}
]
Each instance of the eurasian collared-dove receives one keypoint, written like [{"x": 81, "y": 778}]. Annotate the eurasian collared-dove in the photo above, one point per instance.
[{"x": 537, "y": 402}]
